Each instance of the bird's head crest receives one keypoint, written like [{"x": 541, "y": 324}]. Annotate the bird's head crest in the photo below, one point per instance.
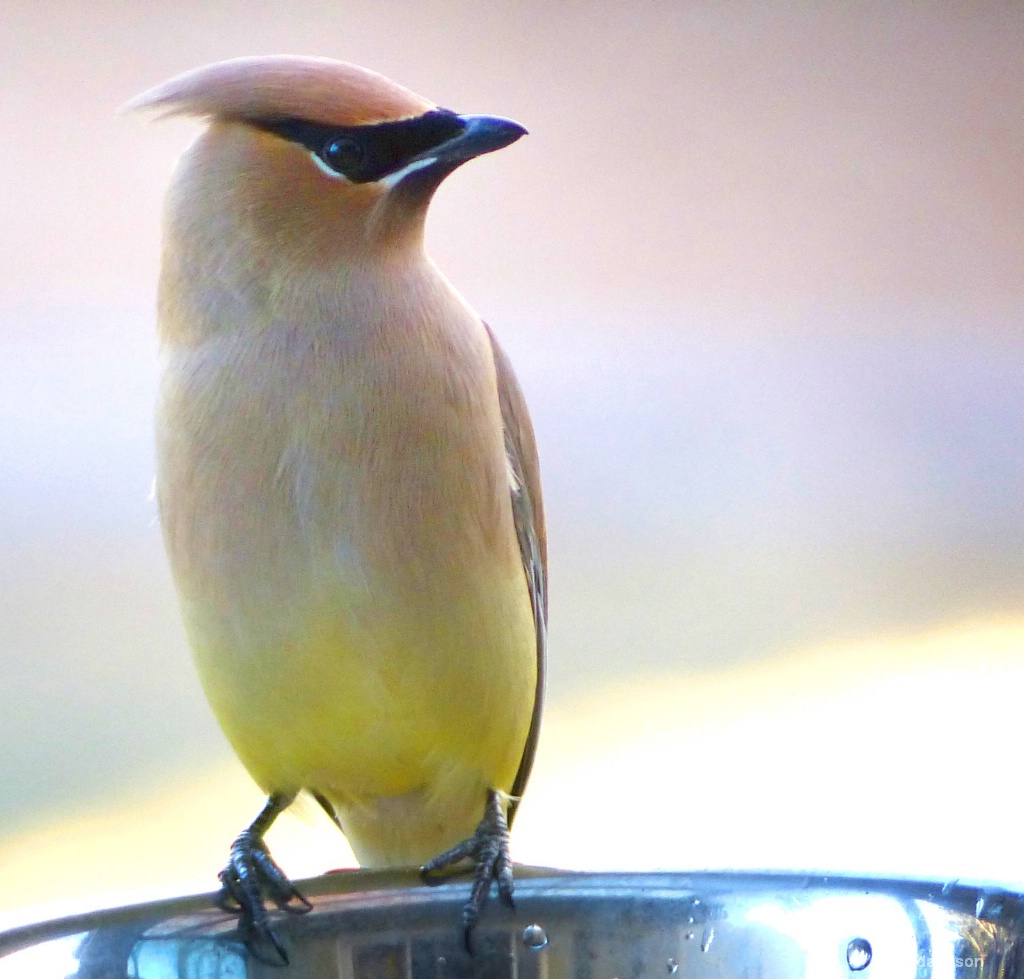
[{"x": 321, "y": 90}]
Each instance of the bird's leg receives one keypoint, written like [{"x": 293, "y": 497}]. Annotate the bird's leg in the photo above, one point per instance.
[
  {"x": 488, "y": 849},
  {"x": 251, "y": 875}
]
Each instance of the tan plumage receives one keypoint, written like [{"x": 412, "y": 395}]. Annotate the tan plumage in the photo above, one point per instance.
[
  {"x": 307, "y": 88},
  {"x": 347, "y": 476}
]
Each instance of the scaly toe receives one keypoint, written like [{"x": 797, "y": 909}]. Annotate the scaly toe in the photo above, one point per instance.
[{"x": 488, "y": 849}]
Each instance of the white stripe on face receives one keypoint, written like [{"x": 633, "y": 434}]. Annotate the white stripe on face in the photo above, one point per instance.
[{"x": 393, "y": 179}]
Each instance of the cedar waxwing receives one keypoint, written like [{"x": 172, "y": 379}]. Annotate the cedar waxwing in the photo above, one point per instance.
[{"x": 347, "y": 475}]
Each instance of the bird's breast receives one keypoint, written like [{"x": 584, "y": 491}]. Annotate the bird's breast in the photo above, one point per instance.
[
  {"x": 338, "y": 521},
  {"x": 371, "y": 457}
]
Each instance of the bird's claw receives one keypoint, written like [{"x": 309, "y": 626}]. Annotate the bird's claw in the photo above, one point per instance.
[
  {"x": 251, "y": 876},
  {"x": 488, "y": 849}
]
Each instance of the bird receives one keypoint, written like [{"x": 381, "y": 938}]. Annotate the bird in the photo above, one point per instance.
[{"x": 347, "y": 477}]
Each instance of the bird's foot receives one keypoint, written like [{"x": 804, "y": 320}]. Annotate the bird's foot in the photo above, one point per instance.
[
  {"x": 488, "y": 850},
  {"x": 250, "y": 877}
]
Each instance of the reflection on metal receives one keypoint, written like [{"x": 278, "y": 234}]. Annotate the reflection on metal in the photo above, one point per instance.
[{"x": 369, "y": 925}]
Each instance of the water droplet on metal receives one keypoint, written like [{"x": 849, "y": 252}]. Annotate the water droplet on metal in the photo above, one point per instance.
[
  {"x": 690, "y": 936},
  {"x": 858, "y": 954},
  {"x": 989, "y": 906},
  {"x": 949, "y": 885},
  {"x": 707, "y": 938},
  {"x": 695, "y": 902},
  {"x": 440, "y": 967},
  {"x": 689, "y": 920},
  {"x": 673, "y": 966},
  {"x": 534, "y": 937}
]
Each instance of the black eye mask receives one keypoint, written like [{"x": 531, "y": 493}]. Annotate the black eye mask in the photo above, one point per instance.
[{"x": 364, "y": 154}]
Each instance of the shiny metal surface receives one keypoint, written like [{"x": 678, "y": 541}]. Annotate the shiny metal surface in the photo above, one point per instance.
[{"x": 369, "y": 925}]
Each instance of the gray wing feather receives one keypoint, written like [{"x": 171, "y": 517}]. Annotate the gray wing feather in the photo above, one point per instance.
[{"x": 528, "y": 513}]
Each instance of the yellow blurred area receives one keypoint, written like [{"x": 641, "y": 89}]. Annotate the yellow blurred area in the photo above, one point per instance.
[{"x": 877, "y": 757}]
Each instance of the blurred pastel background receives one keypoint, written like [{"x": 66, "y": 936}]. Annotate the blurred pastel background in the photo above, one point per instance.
[{"x": 761, "y": 270}]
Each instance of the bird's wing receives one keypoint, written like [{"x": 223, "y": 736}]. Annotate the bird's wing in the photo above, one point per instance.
[{"x": 528, "y": 513}]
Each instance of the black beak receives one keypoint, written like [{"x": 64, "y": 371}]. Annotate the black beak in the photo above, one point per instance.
[{"x": 483, "y": 134}]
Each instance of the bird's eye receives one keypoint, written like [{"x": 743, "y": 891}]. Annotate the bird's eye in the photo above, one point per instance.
[{"x": 342, "y": 153}]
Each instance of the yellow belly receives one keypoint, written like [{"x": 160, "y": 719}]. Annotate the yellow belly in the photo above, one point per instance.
[{"x": 402, "y": 717}]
